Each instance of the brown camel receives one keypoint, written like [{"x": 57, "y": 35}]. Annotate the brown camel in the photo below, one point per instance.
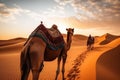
[{"x": 36, "y": 51}]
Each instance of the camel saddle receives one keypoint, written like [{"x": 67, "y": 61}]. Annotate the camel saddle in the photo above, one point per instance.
[{"x": 51, "y": 36}]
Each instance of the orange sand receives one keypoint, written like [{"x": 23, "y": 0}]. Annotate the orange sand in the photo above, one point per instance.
[{"x": 78, "y": 58}]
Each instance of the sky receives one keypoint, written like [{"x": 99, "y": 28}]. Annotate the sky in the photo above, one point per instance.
[{"x": 18, "y": 18}]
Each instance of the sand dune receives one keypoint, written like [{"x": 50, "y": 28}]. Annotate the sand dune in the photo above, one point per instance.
[
  {"x": 11, "y": 41},
  {"x": 80, "y": 65},
  {"x": 85, "y": 66},
  {"x": 77, "y": 39},
  {"x": 106, "y": 38},
  {"x": 11, "y": 45},
  {"x": 108, "y": 66}
]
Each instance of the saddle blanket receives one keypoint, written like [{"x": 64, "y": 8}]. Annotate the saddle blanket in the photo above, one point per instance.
[{"x": 52, "y": 36}]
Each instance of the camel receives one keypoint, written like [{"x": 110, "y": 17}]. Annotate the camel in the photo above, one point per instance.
[
  {"x": 35, "y": 52},
  {"x": 90, "y": 42}
]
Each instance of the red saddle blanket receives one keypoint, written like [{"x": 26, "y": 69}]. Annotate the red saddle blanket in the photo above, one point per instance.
[{"x": 51, "y": 36}]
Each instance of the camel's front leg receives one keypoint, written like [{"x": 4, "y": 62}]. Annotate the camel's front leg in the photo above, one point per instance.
[
  {"x": 58, "y": 67},
  {"x": 64, "y": 57}
]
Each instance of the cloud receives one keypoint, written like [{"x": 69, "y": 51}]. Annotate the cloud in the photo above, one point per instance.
[
  {"x": 62, "y": 2},
  {"x": 3, "y": 10},
  {"x": 55, "y": 11},
  {"x": 94, "y": 9},
  {"x": 8, "y": 13}
]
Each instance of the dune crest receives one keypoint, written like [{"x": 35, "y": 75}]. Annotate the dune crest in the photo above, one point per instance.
[
  {"x": 106, "y": 38},
  {"x": 11, "y": 41},
  {"x": 108, "y": 66}
]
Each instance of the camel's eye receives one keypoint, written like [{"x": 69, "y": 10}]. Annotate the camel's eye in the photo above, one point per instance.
[
  {"x": 72, "y": 30},
  {"x": 67, "y": 29}
]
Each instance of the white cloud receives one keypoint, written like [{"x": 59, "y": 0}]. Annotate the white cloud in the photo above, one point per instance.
[
  {"x": 8, "y": 14},
  {"x": 63, "y": 2},
  {"x": 94, "y": 9}
]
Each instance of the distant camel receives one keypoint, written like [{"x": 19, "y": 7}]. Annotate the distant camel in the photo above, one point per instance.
[
  {"x": 90, "y": 42},
  {"x": 36, "y": 51}
]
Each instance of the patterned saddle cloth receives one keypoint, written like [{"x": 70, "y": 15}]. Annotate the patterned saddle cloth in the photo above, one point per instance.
[{"x": 51, "y": 36}]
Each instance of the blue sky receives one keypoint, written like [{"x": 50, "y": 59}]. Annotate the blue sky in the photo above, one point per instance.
[{"x": 18, "y": 18}]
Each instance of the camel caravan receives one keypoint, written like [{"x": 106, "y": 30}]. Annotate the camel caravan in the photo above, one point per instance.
[{"x": 44, "y": 45}]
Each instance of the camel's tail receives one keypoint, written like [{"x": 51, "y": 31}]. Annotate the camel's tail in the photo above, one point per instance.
[
  {"x": 24, "y": 62},
  {"x": 24, "y": 57}
]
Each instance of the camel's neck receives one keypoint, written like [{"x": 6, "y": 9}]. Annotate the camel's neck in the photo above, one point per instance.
[{"x": 69, "y": 40}]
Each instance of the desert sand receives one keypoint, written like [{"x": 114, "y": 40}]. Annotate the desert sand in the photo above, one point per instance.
[
  {"x": 82, "y": 64},
  {"x": 85, "y": 65}
]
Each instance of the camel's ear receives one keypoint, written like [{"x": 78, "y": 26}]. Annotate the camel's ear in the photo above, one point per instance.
[
  {"x": 73, "y": 29},
  {"x": 66, "y": 29}
]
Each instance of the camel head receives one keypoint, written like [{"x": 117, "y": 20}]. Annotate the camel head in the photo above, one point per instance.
[{"x": 70, "y": 31}]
